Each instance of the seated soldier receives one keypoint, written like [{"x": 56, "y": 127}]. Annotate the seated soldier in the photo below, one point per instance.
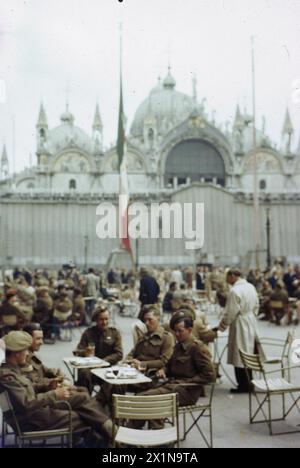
[
  {"x": 43, "y": 310},
  {"x": 200, "y": 330},
  {"x": 191, "y": 363},
  {"x": 155, "y": 347},
  {"x": 152, "y": 351},
  {"x": 78, "y": 312},
  {"x": 44, "y": 411},
  {"x": 106, "y": 341},
  {"x": 11, "y": 317},
  {"x": 42, "y": 378},
  {"x": 167, "y": 301}
]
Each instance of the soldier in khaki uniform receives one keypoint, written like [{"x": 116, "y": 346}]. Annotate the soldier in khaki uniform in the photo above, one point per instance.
[
  {"x": 190, "y": 363},
  {"x": 154, "y": 348},
  {"x": 200, "y": 330},
  {"x": 43, "y": 410},
  {"x": 107, "y": 342},
  {"x": 152, "y": 351},
  {"x": 43, "y": 378}
]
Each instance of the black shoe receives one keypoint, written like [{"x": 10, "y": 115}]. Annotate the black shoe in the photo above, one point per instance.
[{"x": 238, "y": 391}]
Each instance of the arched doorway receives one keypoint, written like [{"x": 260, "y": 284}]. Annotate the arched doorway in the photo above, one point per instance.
[{"x": 194, "y": 161}]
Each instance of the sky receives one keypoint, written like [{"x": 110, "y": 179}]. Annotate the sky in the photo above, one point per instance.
[{"x": 58, "y": 50}]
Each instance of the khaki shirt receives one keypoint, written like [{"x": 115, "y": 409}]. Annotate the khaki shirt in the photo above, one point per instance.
[
  {"x": 154, "y": 350},
  {"x": 191, "y": 362},
  {"x": 108, "y": 344},
  {"x": 22, "y": 394},
  {"x": 39, "y": 374}
]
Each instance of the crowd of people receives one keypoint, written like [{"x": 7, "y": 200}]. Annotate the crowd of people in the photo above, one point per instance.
[{"x": 171, "y": 337}]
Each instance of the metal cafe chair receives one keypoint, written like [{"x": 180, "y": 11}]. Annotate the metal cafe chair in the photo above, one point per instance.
[
  {"x": 10, "y": 426},
  {"x": 263, "y": 390},
  {"x": 145, "y": 408},
  {"x": 285, "y": 345},
  {"x": 198, "y": 411}
]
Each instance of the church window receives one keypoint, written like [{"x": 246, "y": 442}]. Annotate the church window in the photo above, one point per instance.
[
  {"x": 72, "y": 184},
  {"x": 262, "y": 185}
]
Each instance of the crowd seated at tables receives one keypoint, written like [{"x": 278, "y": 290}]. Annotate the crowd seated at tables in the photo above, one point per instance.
[{"x": 170, "y": 303}]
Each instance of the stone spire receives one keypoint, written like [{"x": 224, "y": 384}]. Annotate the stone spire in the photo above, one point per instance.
[
  {"x": 287, "y": 133},
  {"x": 288, "y": 128},
  {"x": 42, "y": 119},
  {"x": 194, "y": 83},
  {"x": 97, "y": 124},
  {"x": 238, "y": 121},
  {"x": 4, "y": 164},
  {"x": 97, "y": 135}
]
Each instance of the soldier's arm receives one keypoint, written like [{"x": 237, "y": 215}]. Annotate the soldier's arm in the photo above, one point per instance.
[
  {"x": 51, "y": 373},
  {"x": 20, "y": 399},
  {"x": 204, "y": 365},
  {"x": 202, "y": 333},
  {"x": 83, "y": 344},
  {"x": 41, "y": 386},
  {"x": 165, "y": 355},
  {"x": 117, "y": 354}
]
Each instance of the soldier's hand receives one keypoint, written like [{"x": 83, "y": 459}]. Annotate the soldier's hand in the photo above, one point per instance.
[
  {"x": 53, "y": 384},
  {"x": 135, "y": 363},
  {"x": 160, "y": 374},
  {"x": 62, "y": 393}
]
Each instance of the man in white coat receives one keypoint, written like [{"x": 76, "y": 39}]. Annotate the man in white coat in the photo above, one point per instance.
[{"x": 240, "y": 316}]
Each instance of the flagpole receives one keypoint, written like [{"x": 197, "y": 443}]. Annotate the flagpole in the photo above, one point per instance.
[
  {"x": 255, "y": 175},
  {"x": 123, "y": 180}
]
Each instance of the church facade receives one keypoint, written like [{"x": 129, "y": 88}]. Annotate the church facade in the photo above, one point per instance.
[{"x": 175, "y": 152}]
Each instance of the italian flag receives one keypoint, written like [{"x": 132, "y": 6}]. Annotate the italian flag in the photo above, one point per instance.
[{"x": 123, "y": 179}]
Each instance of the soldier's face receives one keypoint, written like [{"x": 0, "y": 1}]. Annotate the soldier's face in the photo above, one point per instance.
[
  {"x": 182, "y": 333},
  {"x": 151, "y": 322},
  {"x": 21, "y": 357},
  {"x": 37, "y": 340},
  {"x": 103, "y": 321}
]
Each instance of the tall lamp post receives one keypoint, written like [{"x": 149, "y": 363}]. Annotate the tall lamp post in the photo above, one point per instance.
[
  {"x": 268, "y": 232},
  {"x": 86, "y": 246},
  {"x": 137, "y": 251}
]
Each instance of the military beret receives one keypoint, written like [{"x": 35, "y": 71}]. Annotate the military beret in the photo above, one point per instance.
[
  {"x": 149, "y": 308},
  {"x": 100, "y": 309},
  {"x": 17, "y": 341},
  {"x": 11, "y": 293},
  {"x": 183, "y": 313}
]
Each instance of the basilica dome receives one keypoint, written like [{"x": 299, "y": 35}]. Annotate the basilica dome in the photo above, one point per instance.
[
  {"x": 67, "y": 135},
  {"x": 164, "y": 106}
]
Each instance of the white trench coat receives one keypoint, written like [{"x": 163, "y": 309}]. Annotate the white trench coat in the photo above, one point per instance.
[{"x": 240, "y": 316}]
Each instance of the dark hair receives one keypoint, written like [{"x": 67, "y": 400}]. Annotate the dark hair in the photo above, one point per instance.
[
  {"x": 146, "y": 309},
  {"x": 31, "y": 328},
  {"x": 188, "y": 322},
  {"x": 234, "y": 272}
]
